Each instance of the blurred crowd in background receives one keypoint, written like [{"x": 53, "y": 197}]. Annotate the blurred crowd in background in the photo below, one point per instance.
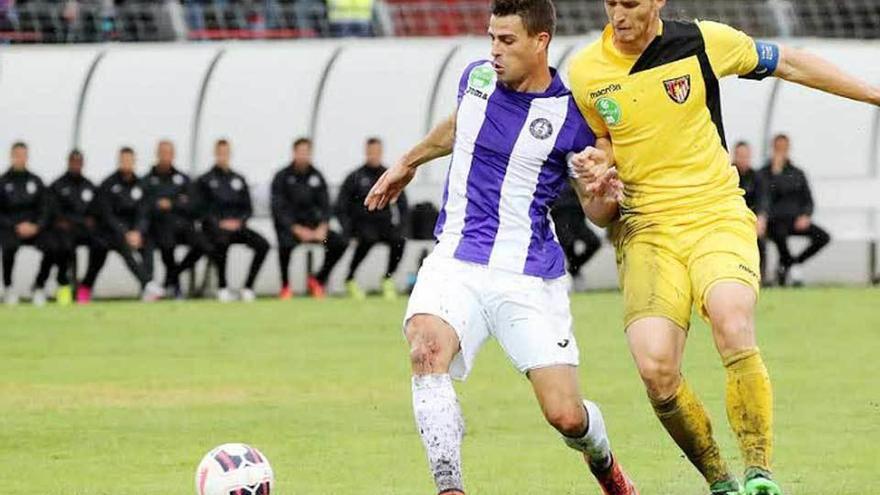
[{"x": 78, "y": 21}]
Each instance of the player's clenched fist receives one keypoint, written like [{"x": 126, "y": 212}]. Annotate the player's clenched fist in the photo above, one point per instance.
[
  {"x": 588, "y": 164},
  {"x": 593, "y": 170}
]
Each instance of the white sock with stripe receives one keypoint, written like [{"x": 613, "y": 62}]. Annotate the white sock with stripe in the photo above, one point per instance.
[{"x": 594, "y": 443}]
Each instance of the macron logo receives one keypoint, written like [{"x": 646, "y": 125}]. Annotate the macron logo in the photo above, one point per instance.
[{"x": 604, "y": 91}]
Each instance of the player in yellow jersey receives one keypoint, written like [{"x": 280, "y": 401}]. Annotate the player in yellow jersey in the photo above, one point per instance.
[{"x": 683, "y": 234}]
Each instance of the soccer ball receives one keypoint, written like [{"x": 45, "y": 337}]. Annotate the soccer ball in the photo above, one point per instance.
[{"x": 234, "y": 469}]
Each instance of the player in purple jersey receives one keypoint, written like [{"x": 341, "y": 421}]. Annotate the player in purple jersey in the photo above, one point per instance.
[{"x": 497, "y": 269}]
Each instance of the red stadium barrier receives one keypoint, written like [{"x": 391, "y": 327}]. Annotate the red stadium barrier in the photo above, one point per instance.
[
  {"x": 250, "y": 34},
  {"x": 439, "y": 17},
  {"x": 21, "y": 36}
]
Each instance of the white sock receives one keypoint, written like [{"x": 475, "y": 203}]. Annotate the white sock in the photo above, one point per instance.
[
  {"x": 441, "y": 426},
  {"x": 594, "y": 443}
]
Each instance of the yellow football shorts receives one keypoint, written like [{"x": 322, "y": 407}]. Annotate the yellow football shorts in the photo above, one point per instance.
[{"x": 668, "y": 267}]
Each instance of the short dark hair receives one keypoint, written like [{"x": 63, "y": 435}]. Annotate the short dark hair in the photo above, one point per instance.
[
  {"x": 74, "y": 153},
  {"x": 221, "y": 142},
  {"x": 373, "y": 140},
  {"x": 781, "y": 136},
  {"x": 740, "y": 144},
  {"x": 126, "y": 150},
  {"x": 538, "y": 16},
  {"x": 301, "y": 141},
  {"x": 19, "y": 144}
]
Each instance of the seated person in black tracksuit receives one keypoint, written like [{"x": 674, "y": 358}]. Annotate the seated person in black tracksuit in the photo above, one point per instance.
[
  {"x": 25, "y": 209},
  {"x": 72, "y": 225},
  {"x": 571, "y": 227},
  {"x": 301, "y": 212},
  {"x": 791, "y": 211},
  {"x": 756, "y": 195},
  {"x": 224, "y": 202},
  {"x": 371, "y": 227},
  {"x": 122, "y": 227},
  {"x": 168, "y": 206}
]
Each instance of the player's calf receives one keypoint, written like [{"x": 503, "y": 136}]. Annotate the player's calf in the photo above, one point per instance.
[{"x": 749, "y": 392}]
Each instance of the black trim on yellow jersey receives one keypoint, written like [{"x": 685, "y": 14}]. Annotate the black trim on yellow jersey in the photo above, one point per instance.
[
  {"x": 681, "y": 40},
  {"x": 713, "y": 95}
]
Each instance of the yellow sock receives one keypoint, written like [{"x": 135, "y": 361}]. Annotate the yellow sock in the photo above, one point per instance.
[
  {"x": 750, "y": 406},
  {"x": 687, "y": 422}
]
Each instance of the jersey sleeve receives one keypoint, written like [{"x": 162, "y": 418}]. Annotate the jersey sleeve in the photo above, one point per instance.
[
  {"x": 594, "y": 121},
  {"x": 732, "y": 52}
]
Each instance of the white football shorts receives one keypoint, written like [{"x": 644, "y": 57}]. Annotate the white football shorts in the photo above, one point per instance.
[{"x": 529, "y": 316}]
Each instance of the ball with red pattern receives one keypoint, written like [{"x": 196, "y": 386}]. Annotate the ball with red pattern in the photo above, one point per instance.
[{"x": 234, "y": 469}]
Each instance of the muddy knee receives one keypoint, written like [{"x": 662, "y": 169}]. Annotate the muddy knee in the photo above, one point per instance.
[{"x": 432, "y": 344}]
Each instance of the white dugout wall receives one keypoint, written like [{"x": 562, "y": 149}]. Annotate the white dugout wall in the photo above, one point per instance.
[{"x": 261, "y": 96}]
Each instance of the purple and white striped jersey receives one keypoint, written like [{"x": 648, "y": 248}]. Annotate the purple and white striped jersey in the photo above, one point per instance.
[{"x": 509, "y": 164}]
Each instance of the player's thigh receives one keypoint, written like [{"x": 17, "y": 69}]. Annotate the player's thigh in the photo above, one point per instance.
[
  {"x": 531, "y": 319},
  {"x": 252, "y": 239},
  {"x": 8, "y": 239},
  {"x": 446, "y": 291},
  {"x": 655, "y": 281},
  {"x": 657, "y": 346},
  {"x": 728, "y": 252},
  {"x": 163, "y": 236},
  {"x": 220, "y": 239},
  {"x": 336, "y": 242},
  {"x": 369, "y": 233},
  {"x": 186, "y": 233},
  {"x": 54, "y": 242},
  {"x": 284, "y": 237}
]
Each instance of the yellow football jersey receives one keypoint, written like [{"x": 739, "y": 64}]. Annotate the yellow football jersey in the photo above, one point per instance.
[{"x": 662, "y": 111}]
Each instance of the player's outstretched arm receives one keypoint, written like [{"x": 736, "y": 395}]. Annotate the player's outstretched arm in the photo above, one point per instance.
[
  {"x": 436, "y": 144},
  {"x": 805, "y": 68}
]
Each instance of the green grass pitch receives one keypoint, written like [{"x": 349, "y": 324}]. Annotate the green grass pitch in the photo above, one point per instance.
[{"x": 125, "y": 398}]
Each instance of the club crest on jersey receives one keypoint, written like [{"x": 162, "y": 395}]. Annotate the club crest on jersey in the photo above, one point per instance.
[
  {"x": 541, "y": 128},
  {"x": 679, "y": 89}
]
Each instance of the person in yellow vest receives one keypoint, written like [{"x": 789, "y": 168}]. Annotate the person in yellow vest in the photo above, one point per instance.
[
  {"x": 683, "y": 233},
  {"x": 350, "y": 17}
]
